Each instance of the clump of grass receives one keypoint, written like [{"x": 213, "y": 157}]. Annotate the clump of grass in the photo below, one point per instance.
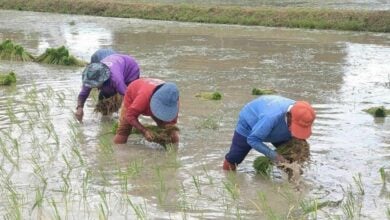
[
  {"x": 295, "y": 150},
  {"x": 12, "y": 51},
  {"x": 109, "y": 105},
  {"x": 256, "y": 91},
  {"x": 380, "y": 111},
  {"x": 209, "y": 95},
  {"x": 59, "y": 56},
  {"x": 7, "y": 79}
]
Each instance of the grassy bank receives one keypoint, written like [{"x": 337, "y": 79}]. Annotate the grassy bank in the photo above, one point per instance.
[{"x": 357, "y": 20}]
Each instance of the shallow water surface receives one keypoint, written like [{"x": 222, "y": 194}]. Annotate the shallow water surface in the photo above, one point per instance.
[{"x": 53, "y": 166}]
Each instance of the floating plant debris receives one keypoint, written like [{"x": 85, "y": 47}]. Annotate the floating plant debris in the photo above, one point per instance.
[{"x": 11, "y": 51}]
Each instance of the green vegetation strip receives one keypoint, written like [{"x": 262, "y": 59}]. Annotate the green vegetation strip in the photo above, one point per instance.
[
  {"x": 354, "y": 20},
  {"x": 11, "y": 51},
  {"x": 380, "y": 111}
]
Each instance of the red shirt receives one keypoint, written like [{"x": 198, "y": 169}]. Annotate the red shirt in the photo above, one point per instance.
[{"x": 137, "y": 98}]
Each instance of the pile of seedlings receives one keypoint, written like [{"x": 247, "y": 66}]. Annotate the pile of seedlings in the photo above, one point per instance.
[
  {"x": 109, "y": 105},
  {"x": 295, "y": 151},
  {"x": 209, "y": 95},
  {"x": 380, "y": 111},
  {"x": 59, "y": 56},
  {"x": 11, "y": 51},
  {"x": 256, "y": 91},
  {"x": 161, "y": 135},
  {"x": 7, "y": 79}
]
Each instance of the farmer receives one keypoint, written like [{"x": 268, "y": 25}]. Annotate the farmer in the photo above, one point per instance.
[
  {"x": 111, "y": 76},
  {"x": 101, "y": 54},
  {"x": 149, "y": 97},
  {"x": 272, "y": 119}
]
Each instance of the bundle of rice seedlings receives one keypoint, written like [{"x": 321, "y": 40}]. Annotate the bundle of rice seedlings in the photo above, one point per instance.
[
  {"x": 11, "y": 51},
  {"x": 256, "y": 91},
  {"x": 110, "y": 105},
  {"x": 59, "y": 56},
  {"x": 380, "y": 111},
  {"x": 7, "y": 79},
  {"x": 161, "y": 135},
  {"x": 209, "y": 95},
  {"x": 294, "y": 151},
  {"x": 263, "y": 165}
]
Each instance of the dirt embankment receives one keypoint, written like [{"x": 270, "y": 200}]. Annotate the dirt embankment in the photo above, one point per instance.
[{"x": 354, "y": 20}]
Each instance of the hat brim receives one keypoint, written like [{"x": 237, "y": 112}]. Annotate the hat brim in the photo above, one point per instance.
[
  {"x": 104, "y": 75},
  {"x": 299, "y": 131},
  {"x": 161, "y": 111}
]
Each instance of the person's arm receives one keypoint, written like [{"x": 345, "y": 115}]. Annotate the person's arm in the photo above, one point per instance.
[
  {"x": 83, "y": 95},
  {"x": 136, "y": 108},
  {"x": 259, "y": 132}
]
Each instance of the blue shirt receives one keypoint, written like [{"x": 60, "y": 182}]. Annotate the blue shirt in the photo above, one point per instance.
[{"x": 264, "y": 120}]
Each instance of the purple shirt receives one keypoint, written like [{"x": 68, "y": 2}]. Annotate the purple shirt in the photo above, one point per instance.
[{"x": 124, "y": 69}]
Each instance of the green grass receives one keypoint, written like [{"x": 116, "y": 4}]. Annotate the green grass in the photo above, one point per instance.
[{"x": 310, "y": 18}]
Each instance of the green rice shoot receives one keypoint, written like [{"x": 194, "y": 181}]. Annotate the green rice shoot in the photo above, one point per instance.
[
  {"x": 380, "y": 111},
  {"x": 256, "y": 91},
  {"x": 7, "y": 79},
  {"x": 209, "y": 95},
  {"x": 14, "y": 52},
  {"x": 59, "y": 56}
]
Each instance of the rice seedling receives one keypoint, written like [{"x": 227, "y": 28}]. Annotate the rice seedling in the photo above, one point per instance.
[
  {"x": 209, "y": 95},
  {"x": 256, "y": 91},
  {"x": 161, "y": 135},
  {"x": 208, "y": 123},
  {"x": 139, "y": 210},
  {"x": 232, "y": 187},
  {"x": 294, "y": 151},
  {"x": 7, "y": 154},
  {"x": 107, "y": 106},
  {"x": 103, "y": 196},
  {"x": 7, "y": 78},
  {"x": 358, "y": 181},
  {"x": 11, "y": 51},
  {"x": 269, "y": 212},
  {"x": 383, "y": 175},
  {"x": 39, "y": 196},
  {"x": 196, "y": 181},
  {"x": 388, "y": 212},
  {"x": 380, "y": 111},
  {"x": 57, "y": 215},
  {"x": 162, "y": 189},
  {"x": 263, "y": 166},
  {"x": 209, "y": 177},
  {"x": 59, "y": 56}
]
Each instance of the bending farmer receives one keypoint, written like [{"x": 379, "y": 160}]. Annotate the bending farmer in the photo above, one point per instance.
[
  {"x": 272, "y": 119},
  {"x": 111, "y": 76},
  {"x": 149, "y": 97}
]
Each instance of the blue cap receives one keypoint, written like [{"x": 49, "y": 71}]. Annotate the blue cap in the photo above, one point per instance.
[
  {"x": 95, "y": 74},
  {"x": 164, "y": 102}
]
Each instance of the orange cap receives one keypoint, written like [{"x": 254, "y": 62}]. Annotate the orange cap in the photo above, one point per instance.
[{"x": 302, "y": 117}]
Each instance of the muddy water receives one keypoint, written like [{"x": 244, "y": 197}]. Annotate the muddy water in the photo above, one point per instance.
[{"x": 84, "y": 175}]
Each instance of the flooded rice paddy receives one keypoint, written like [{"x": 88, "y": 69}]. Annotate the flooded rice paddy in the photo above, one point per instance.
[{"x": 55, "y": 168}]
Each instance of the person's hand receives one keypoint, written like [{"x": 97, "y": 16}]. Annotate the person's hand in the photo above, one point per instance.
[
  {"x": 148, "y": 135},
  {"x": 280, "y": 159},
  {"x": 79, "y": 114}
]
